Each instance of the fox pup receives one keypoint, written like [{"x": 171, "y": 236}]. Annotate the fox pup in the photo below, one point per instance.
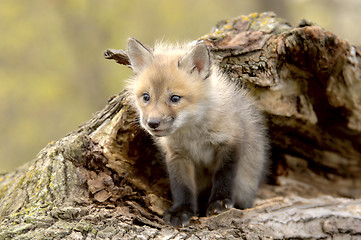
[{"x": 211, "y": 133}]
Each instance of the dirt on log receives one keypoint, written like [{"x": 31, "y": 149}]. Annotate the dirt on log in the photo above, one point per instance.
[{"x": 107, "y": 180}]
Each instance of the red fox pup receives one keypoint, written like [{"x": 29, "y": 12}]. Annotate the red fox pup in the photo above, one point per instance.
[{"x": 212, "y": 135}]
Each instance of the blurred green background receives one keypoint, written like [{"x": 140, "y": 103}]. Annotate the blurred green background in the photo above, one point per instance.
[{"x": 52, "y": 72}]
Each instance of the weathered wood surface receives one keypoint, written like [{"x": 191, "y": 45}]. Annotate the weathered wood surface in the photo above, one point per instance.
[{"x": 106, "y": 180}]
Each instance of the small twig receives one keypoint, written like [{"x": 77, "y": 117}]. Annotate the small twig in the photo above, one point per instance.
[{"x": 120, "y": 56}]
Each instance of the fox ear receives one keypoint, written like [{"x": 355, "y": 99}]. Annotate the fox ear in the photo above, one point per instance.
[
  {"x": 197, "y": 59},
  {"x": 140, "y": 57}
]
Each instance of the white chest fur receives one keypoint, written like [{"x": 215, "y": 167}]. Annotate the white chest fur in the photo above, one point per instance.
[{"x": 196, "y": 143}]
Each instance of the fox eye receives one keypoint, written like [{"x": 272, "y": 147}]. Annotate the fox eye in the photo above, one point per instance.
[
  {"x": 175, "y": 98},
  {"x": 146, "y": 97}
]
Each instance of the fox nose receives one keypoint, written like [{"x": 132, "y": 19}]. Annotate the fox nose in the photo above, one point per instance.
[{"x": 153, "y": 123}]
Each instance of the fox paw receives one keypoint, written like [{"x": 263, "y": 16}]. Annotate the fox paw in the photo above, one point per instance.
[
  {"x": 179, "y": 216},
  {"x": 219, "y": 206}
]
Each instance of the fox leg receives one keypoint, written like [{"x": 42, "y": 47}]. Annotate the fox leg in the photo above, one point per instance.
[
  {"x": 183, "y": 187},
  {"x": 222, "y": 196},
  {"x": 251, "y": 171}
]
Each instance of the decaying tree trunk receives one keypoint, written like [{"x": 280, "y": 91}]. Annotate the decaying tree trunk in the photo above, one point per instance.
[{"x": 107, "y": 181}]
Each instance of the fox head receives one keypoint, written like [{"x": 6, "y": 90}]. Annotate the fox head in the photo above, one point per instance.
[{"x": 170, "y": 85}]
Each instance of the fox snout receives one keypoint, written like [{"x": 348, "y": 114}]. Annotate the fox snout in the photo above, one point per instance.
[
  {"x": 153, "y": 123},
  {"x": 159, "y": 127}
]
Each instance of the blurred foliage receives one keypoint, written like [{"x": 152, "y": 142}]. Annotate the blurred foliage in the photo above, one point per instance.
[{"x": 52, "y": 72}]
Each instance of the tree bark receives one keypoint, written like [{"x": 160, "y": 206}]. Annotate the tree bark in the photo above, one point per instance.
[{"x": 107, "y": 180}]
